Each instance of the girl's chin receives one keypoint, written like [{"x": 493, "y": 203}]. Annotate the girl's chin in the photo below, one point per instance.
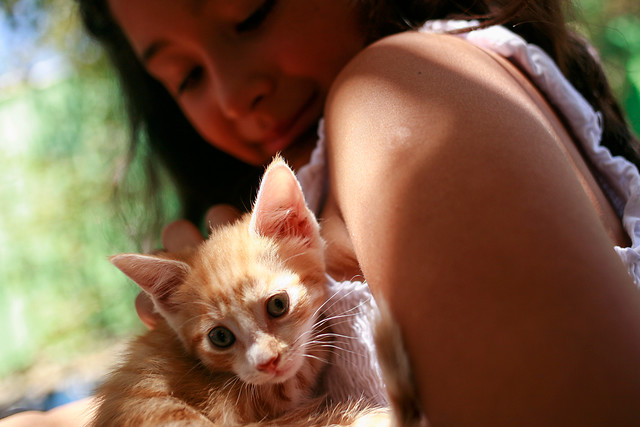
[{"x": 299, "y": 153}]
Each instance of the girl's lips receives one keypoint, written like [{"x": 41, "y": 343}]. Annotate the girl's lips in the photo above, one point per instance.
[{"x": 286, "y": 133}]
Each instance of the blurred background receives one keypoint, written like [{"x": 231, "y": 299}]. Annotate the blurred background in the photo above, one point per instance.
[
  {"x": 63, "y": 151},
  {"x": 64, "y": 205}
]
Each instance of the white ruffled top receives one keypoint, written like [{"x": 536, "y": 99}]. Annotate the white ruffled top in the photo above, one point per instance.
[{"x": 355, "y": 371}]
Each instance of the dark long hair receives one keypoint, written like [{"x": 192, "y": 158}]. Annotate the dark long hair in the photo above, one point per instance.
[
  {"x": 205, "y": 176},
  {"x": 202, "y": 174}
]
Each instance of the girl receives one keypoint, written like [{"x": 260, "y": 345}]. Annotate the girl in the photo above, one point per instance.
[{"x": 458, "y": 172}]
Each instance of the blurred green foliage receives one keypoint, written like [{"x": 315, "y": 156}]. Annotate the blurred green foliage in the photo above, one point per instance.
[
  {"x": 64, "y": 207},
  {"x": 62, "y": 149},
  {"x": 58, "y": 223},
  {"x": 614, "y": 29}
]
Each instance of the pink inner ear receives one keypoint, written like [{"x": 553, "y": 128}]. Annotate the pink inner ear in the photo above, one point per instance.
[
  {"x": 285, "y": 222},
  {"x": 280, "y": 209}
]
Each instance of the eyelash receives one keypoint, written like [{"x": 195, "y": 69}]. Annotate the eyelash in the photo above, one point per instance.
[
  {"x": 256, "y": 18},
  {"x": 251, "y": 23},
  {"x": 190, "y": 79}
]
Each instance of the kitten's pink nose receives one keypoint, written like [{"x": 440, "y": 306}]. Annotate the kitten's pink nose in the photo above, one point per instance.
[{"x": 270, "y": 365}]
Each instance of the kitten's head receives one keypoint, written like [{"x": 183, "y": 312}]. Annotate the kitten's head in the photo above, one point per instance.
[{"x": 246, "y": 300}]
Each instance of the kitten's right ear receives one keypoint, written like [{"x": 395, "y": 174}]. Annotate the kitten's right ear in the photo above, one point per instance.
[
  {"x": 159, "y": 277},
  {"x": 280, "y": 209}
]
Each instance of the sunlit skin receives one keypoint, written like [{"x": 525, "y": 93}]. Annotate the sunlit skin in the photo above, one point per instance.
[
  {"x": 419, "y": 201},
  {"x": 453, "y": 186},
  {"x": 251, "y": 75}
]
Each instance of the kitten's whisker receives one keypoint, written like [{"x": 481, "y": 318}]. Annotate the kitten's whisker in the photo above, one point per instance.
[
  {"x": 333, "y": 325},
  {"x": 306, "y": 332},
  {"x": 332, "y": 301},
  {"x": 323, "y": 306},
  {"x": 338, "y": 355},
  {"x": 335, "y": 347},
  {"x": 353, "y": 311},
  {"x": 344, "y": 319},
  {"x": 332, "y": 349},
  {"x": 360, "y": 304},
  {"x": 312, "y": 331},
  {"x": 333, "y": 317},
  {"x": 328, "y": 322},
  {"x": 332, "y": 335},
  {"x": 227, "y": 387},
  {"x": 318, "y": 343},
  {"x": 295, "y": 256},
  {"x": 302, "y": 336},
  {"x": 231, "y": 382},
  {"x": 254, "y": 391},
  {"x": 243, "y": 387},
  {"x": 311, "y": 356}
]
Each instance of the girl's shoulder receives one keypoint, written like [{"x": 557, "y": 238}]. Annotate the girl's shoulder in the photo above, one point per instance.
[
  {"x": 436, "y": 75},
  {"x": 415, "y": 87},
  {"x": 419, "y": 46},
  {"x": 423, "y": 59}
]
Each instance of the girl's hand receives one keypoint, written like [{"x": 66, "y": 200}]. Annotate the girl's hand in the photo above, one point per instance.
[{"x": 177, "y": 236}]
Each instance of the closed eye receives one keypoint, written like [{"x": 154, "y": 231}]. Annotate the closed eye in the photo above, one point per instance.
[
  {"x": 191, "y": 79},
  {"x": 257, "y": 17}
]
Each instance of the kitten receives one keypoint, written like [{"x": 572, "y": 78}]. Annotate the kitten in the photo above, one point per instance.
[{"x": 244, "y": 339}]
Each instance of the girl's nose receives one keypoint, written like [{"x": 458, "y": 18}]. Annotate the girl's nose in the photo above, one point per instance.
[{"x": 241, "y": 89}]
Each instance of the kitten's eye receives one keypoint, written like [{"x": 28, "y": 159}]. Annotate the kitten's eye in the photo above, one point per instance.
[
  {"x": 221, "y": 337},
  {"x": 191, "y": 79},
  {"x": 278, "y": 304},
  {"x": 256, "y": 18}
]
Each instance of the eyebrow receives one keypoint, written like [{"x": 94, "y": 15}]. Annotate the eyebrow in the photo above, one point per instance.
[{"x": 152, "y": 50}]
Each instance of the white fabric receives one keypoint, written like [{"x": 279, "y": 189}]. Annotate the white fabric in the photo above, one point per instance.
[
  {"x": 313, "y": 176},
  {"x": 619, "y": 177},
  {"x": 354, "y": 372}
]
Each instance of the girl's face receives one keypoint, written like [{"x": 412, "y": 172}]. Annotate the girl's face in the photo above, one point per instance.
[{"x": 251, "y": 75}]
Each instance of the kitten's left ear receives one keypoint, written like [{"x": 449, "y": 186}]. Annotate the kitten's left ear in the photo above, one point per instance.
[
  {"x": 280, "y": 209},
  {"x": 159, "y": 277}
]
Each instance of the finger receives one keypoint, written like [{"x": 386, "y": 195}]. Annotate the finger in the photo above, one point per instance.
[
  {"x": 146, "y": 311},
  {"x": 220, "y": 215},
  {"x": 180, "y": 234}
]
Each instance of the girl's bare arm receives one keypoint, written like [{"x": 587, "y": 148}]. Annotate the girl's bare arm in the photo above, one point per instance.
[{"x": 467, "y": 217}]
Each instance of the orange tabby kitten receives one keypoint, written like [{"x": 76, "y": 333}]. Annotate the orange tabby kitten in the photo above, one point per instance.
[{"x": 244, "y": 340}]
